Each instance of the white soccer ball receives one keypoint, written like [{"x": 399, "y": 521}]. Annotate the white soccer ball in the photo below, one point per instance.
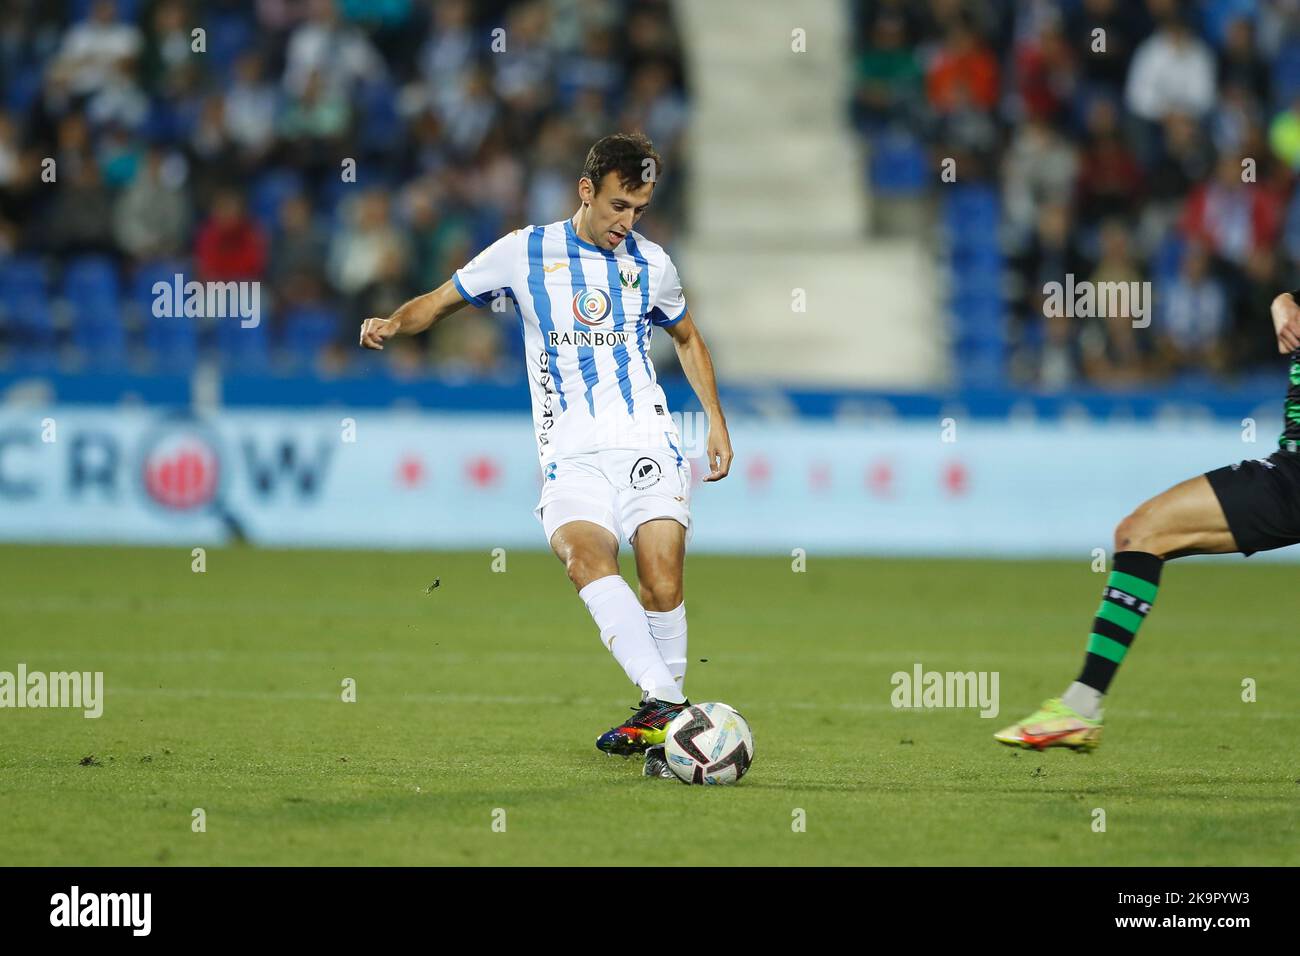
[{"x": 709, "y": 743}]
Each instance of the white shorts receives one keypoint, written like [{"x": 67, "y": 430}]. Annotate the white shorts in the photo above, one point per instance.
[{"x": 618, "y": 489}]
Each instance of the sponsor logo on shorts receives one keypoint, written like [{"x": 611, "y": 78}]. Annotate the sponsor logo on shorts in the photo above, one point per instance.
[{"x": 645, "y": 474}]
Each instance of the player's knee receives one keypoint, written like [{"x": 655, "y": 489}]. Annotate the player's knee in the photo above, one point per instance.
[
  {"x": 584, "y": 568},
  {"x": 660, "y": 594},
  {"x": 1137, "y": 532}
]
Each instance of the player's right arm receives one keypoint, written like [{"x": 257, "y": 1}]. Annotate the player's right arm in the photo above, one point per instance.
[
  {"x": 414, "y": 316},
  {"x": 488, "y": 274},
  {"x": 1286, "y": 321}
]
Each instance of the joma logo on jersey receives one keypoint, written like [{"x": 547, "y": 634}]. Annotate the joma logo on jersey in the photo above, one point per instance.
[{"x": 591, "y": 306}]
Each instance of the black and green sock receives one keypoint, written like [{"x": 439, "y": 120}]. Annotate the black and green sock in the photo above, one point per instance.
[{"x": 1125, "y": 601}]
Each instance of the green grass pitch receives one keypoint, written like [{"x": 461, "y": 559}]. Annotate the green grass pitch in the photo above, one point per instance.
[{"x": 223, "y": 692}]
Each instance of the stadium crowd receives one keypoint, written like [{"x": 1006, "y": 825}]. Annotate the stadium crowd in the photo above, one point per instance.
[
  {"x": 1124, "y": 140},
  {"x": 132, "y": 148}
]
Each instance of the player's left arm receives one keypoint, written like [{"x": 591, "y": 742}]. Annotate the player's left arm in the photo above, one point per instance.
[{"x": 698, "y": 366}]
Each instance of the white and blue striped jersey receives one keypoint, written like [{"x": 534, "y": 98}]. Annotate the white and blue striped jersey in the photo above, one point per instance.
[{"x": 587, "y": 314}]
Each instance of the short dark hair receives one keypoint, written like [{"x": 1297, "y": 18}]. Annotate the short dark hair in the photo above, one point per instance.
[{"x": 626, "y": 155}]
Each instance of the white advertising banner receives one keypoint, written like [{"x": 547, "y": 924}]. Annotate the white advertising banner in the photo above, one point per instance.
[{"x": 387, "y": 479}]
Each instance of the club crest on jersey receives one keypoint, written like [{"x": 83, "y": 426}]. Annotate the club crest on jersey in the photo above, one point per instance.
[
  {"x": 631, "y": 278},
  {"x": 591, "y": 306}
]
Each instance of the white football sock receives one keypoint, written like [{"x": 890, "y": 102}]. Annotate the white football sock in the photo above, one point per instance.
[
  {"x": 668, "y": 628},
  {"x": 1086, "y": 700},
  {"x": 625, "y": 632}
]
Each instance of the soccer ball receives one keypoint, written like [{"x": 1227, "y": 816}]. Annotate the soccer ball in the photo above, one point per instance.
[{"x": 709, "y": 743}]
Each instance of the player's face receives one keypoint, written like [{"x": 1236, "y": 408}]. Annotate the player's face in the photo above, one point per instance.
[{"x": 614, "y": 209}]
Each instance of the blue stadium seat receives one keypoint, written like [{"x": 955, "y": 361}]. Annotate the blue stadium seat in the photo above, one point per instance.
[
  {"x": 977, "y": 259},
  {"x": 127, "y": 10},
  {"x": 22, "y": 88},
  {"x": 381, "y": 126},
  {"x": 90, "y": 277},
  {"x": 970, "y": 214},
  {"x": 152, "y": 271},
  {"x": 270, "y": 191},
  {"x": 1286, "y": 75},
  {"x": 974, "y": 287},
  {"x": 987, "y": 316},
  {"x": 229, "y": 35},
  {"x": 981, "y": 364},
  {"x": 31, "y": 329},
  {"x": 899, "y": 165},
  {"x": 1168, "y": 257},
  {"x": 21, "y": 277},
  {"x": 173, "y": 341},
  {"x": 307, "y": 330},
  {"x": 244, "y": 349},
  {"x": 97, "y": 330}
]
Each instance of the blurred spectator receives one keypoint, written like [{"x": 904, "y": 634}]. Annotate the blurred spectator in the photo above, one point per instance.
[
  {"x": 1040, "y": 165},
  {"x": 523, "y": 79},
  {"x": 964, "y": 72},
  {"x": 655, "y": 107},
  {"x": 9, "y": 150},
  {"x": 151, "y": 216},
  {"x": 888, "y": 75},
  {"x": 230, "y": 244},
  {"x": 449, "y": 50},
  {"x": 1110, "y": 178},
  {"x": 1046, "y": 74},
  {"x": 1193, "y": 317},
  {"x": 1113, "y": 354},
  {"x": 118, "y": 100},
  {"x": 594, "y": 68},
  {"x": 93, "y": 49},
  {"x": 81, "y": 218},
  {"x": 337, "y": 54},
  {"x": 469, "y": 112},
  {"x": 1240, "y": 63},
  {"x": 969, "y": 135},
  {"x": 1050, "y": 257},
  {"x": 298, "y": 255},
  {"x": 1233, "y": 218},
  {"x": 551, "y": 193},
  {"x": 251, "y": 106},
  {"x": 1172, "y": 71},
  {"x": 368, "y": 258},
  {"x": 168, "y": 60},
  {"x": 1104, "y": 34}
]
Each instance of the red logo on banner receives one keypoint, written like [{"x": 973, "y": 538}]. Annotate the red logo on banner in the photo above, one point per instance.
[
  {"x": 181, "y": 473},
  {"x": 956, "y": 478},
  {"x": 819, "y": 476},
  {"x": 880, "y": 479},
  {"x": 482, "y": 471},
  {"x": 410, "y": 471}
]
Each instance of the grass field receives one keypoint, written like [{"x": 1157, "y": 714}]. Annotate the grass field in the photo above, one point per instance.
[{"x": 223, "y": 693}]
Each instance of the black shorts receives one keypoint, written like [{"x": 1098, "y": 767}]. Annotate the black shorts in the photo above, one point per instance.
[{"x": 1261, "y": 500}]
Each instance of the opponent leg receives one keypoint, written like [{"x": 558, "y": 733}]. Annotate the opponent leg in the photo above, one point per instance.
[{"x": 1184, "y": 520}]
